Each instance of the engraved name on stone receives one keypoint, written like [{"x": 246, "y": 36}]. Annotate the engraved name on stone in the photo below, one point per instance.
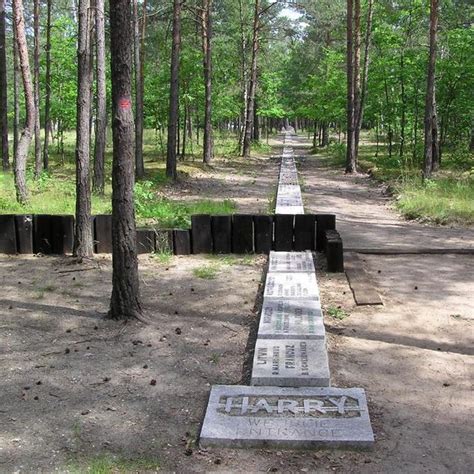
[
  {"x": 292, "y": 319},
  {"x": 290, "y": 363},
  {"x": 291, "y": 262},
  {"x": 291, "y": 285}
]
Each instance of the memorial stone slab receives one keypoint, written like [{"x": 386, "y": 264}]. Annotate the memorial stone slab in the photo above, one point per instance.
[
  {"x": 289, "y": 210},
  {"x": 291, "y": 319},
  {"x": 290, "y": 363},
  {"x": 291, "y": 262},
  {"x": 239, "y": 416},
  {"x": 291, "y": 285}
]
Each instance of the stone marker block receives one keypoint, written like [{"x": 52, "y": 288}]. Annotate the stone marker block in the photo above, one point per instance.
[
  {"x": 305, "y": 231},
  {"x": 324, "y": 222},
  {"x": 291, "y": 262},
  {"x": 292, "y": 210},
  {"x": 62, "y": 231},
  {"x": 182, "y": 242},
  {"x": 42, "y": 234},
  {"x": 283, "y": 232},
  {"x": 103, "y": 233},
  {"x": 291, "y": 363},
  {"x": 291, "y": 285},
  {"x": 291, "y": 418},
  {"x": 24, "y": 234},
  {"x": 242, "y": 233},
  {"x": 291, "y": 319},
  {"x": 222, "y": 233},
  {"x": 7, "y": 234},
  {"x": 263, "y": 231},
  {"x": 145, "y": 241},
  {"x": 201, "y": 233}
]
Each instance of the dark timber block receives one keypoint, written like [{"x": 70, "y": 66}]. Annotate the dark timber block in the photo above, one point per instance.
[
  {"x": 263, "y": 233},
  {"x": 201, "y": 233},
  {"x": 24, "y": 234},
  {"x": 62, "y": 231},
  {"x": 242, "y": 233},
  {"x": 305, "y": 228},
  {"x": 182, "y": 242},
  {"x": 222, "y": 233},
  {"x": 164, "y": 241},
  {"x": 145, "y": 241},
  {"x": 42, "y": 234},
  {"x": 7, "y": 234},
  {"x": 284, "y": 232},
  {"x": 334, "y": 252},
  {"x": 103, "y": 233},
  {"x": 324, "y": 222}
]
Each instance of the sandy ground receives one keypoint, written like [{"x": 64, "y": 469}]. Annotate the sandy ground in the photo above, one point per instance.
[{"x": 76, "y": 386}]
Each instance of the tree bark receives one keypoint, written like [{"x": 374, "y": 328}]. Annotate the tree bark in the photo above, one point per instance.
[
  {"x": 21, "y": 152},
  {"x": 249, "y": 116},
  {"x": 3, "y": 91},
  {"x": 83, "y": 246},
  {"x": 47, "y": 101},
  {"x": 125, "y": 299},
  {"x": 365, "y": 73},
  {"x": 16, "y": 89},
  {"x": 139, "y": 87},
  {"x": 36, "y": 83},
  {"x": 101, "y": 104},
  {"x": 351, "y": 143},
  {"x": 171, "y": 171},
  {"x": 206, "y": 27},
  {"x": 430, "y": 149}
]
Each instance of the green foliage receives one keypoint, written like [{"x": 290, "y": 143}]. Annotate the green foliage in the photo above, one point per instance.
[
  {"x": 206, "y": 272},
  {"x": 337, "y": 312},
  {"x": 108, "y": 464}
]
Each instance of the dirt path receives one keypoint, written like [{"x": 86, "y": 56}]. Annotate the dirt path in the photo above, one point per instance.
[{"x": 414, "y": 355}]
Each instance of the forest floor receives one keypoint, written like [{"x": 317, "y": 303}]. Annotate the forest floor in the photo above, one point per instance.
[{"x": 79, "y": 391}]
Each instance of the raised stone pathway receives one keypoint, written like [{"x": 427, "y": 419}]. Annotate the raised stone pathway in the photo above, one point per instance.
[{"x": 290, "y": 351}]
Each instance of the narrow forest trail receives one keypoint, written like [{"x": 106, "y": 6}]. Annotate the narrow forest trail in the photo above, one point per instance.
[
  {"x": 414, "y": 355},
  {"x": 365, "y": 217}
]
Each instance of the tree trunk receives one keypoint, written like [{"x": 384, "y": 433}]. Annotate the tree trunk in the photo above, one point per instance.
[
  {"x": 125, "y": 300},
  {"x": 171, "y": 171},
  {"x": 21, "y": 153},
  {"x": 36, "y": 82},
  {"x": 47, "y": 102},
  {"x": 365, "y": 73},
  {"x": 101, "y": 104},
  {"x": 3, "y": 91},
  {"x": 16, "y": 101},
  {"x": 430, "y": 102},
  {"x": 139, "y": 73},
  {"x": 253, "y": 83},
  {"x": 83, "y": 230},
  {"x": 206, "y": 20},
  {"x": 351, "y": 145}
]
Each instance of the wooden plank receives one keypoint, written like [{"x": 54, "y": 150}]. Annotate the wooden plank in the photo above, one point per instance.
[
  {"x": 242, "y": 234},
  {"x": 263, "y": 233},
  {"x": 324, "y": 222},
  {"x": 62, "y": 234},
  {"x": 24, "y": 233},
  {"x": 201, "y": 233},
  {"x": 42, "y": 234},
  {"x": 182, "y": 242},
  {"x": 7, "y": 234},
  {"x": 103, "y": 233},
  {"x": 305, "y": 226},
  {"x": 362, "y": 286},
  {"x": 222, "y": 233},
  {"x": 284, "y": 225}
]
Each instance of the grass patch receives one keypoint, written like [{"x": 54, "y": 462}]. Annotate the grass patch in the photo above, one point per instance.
[
  {"x": 337, "y": 312},
  {"x": 164, "y": 257},
  {"x": 206, "y": 272},
  {"x": 229, "y": 260},
  {"x": 107, "y": 464}
]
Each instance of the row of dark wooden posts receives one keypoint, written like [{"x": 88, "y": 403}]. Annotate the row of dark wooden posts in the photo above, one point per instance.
[{"x": 222, "y": 234}]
